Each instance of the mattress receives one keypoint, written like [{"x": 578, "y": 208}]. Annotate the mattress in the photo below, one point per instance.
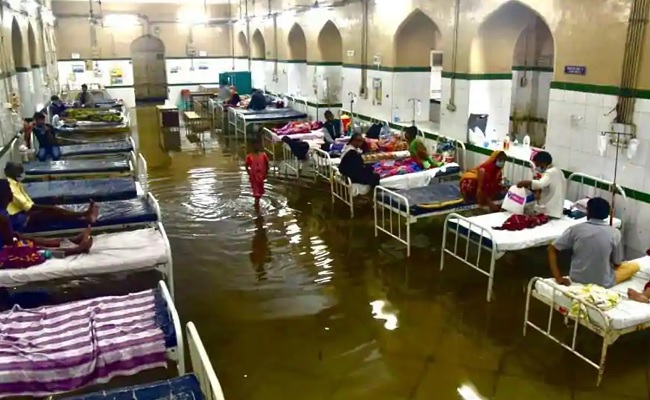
[
  {"x": 334, "y": 161},
  {"x": 81, "y": 190},
  {"x": 111, "y": 253},
  {"x": 626, "y": 314},
  {"x": 434, "y": 198},
  {"x": 517, "y": 240},
  {"x": 273, "y": 115},
  {"x": 111, "y": 213},
  {"x": 112, "y": 147},
  {"x": 181, "y": 387},
  {"x": 64, "y": 347},
  {"x": 420, "y": 178},
  {"x": 304, "y": 136},
  {"x": 88, "y": 166}
]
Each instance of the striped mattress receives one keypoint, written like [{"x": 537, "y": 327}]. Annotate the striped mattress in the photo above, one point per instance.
[{"x": 54, "y": 349}]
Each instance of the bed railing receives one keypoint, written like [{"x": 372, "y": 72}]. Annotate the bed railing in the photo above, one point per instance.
[
  {"x": 321, "y": 163},
  {"x": 268, "y": 144},
  {"x": 290, "y": 161},
  {"x": 132, "y": 142},
  {"x": 156, "y": 206},
  {"x": 142, "y": 174},
  {"x": 177, "y": 354},
  {"x": 602, "y": 327},
  {"x": 590, "y": 186},
  {"x": 474, "y": 236},
  {"x": 341, "y": 188},
  {"x": 398, "y": 224},
  {"x": 202, "y": 367}
]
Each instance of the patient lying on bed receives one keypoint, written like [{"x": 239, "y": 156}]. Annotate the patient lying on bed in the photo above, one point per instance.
[
  {"x": 10, "y": 240},
  {"x": 23, "y": 212},
  {"x": 597, "y": 251}
]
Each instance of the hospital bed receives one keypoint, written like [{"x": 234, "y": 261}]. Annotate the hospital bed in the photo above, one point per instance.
[
  {"x": 323, "y": 163},
  {"x": 480, "y": 236},
  {"x": 626, "y": 317},
  {"x": 244, "y": 118},
  {"x": 61, "y": 348},
  {"x": 201, "y": 384},
  {"x": 111, "y": 253},
  {"x": 113, "y": 215},
  {"x": 397, "y": 210},
  {"x": 270, "y": 139},
  {"x": 343, "y": 189},
  {"x": 112, "y": 167},
  {"x": 83, "y": 190},
  {"x": 96, "y": 127},
  {"x": 98, "y": 148}
]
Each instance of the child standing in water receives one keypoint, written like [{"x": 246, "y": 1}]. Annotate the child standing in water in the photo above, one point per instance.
[{"x": 257, "y": 167}]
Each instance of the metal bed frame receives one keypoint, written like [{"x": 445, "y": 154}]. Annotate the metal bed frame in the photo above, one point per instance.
[
  {"x": 242, "y": 123},
  {"x": 100, "y": 155},
  {"x": 341, "y": 186},
  {"x": 601, "y": 328},
  {"x": 201, "y": 366},
  {"x": 389, "y": 218},
  {"x": 166, "y": 268},
  {"x": 217, "y": 115},
  {"x": 476, "y": 234}
]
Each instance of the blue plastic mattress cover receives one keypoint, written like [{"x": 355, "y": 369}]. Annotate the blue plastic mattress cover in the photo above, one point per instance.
[
  {"x": 81, "y": 190},
  {"x": 111, "y": 213},
  {"x": 75, "y": 167},
  {"x": 434, "y": 198},
  {"x": 116, "y": 146},
  {"x": 184, "y": 387}
]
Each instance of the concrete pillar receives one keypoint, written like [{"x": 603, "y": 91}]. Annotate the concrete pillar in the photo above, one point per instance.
[{"x": 148, "y": 137}]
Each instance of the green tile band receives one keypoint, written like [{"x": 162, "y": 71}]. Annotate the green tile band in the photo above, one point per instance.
[
  {"x": 478, "y": 77},
  {"x": 532, "y": 68},
  {"x": 630, "y": 193}
]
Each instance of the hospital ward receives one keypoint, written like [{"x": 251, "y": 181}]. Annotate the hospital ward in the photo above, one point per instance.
[{"x": 325, "y": 199}]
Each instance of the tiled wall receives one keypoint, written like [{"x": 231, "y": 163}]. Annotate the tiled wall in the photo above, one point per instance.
[{"x": 575, "y": 120}]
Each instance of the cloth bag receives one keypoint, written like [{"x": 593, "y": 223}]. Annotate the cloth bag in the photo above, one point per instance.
[{"x": 518, "y": 200}]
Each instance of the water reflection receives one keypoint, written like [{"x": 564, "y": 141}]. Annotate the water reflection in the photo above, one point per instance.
[{"x": 260, "y": 250}]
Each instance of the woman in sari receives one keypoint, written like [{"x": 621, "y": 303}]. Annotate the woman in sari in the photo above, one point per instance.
[{"x": 483, "y": 183}]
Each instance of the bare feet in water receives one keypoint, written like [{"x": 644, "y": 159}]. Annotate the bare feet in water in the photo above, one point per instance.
[
  {"x": 636, "y": 296},
  {"x": 92, "y": 212}
]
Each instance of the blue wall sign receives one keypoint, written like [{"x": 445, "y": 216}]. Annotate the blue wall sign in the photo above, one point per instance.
[{"x": 575, "y": 70}]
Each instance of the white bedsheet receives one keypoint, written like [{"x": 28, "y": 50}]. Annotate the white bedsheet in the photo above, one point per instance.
[
  {"x": 407, "y": 181},
  {"x": 524, "y": 239},
  {"x": 318, "y": 134},
  {"x": 626, "y": 314},
  {"x": 112, "y": 252}
]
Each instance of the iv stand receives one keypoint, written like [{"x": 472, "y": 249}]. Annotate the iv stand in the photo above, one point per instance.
[
  {"x": 415, "y": 102},
  {"x": 352, "y": 97},
  {"x": 618, "y": 143}
]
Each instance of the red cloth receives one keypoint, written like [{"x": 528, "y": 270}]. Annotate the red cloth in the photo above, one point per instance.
[
  {"x": 492, "y": 177},
  {"x": 258, "y": 166},
  {"x": 521, "y": 222}
]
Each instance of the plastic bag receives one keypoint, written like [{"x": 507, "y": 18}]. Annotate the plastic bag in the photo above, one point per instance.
[{"x": 517, "y": 200}]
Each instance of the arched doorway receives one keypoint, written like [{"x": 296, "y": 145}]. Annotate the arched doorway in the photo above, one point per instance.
[
  {"x": 515, "y": 47},
  {"x": 36, "y": 68},
  {"x": 418, "y": 51},
  {"x": 329, "y": 73},
  {"x": 149, "y": 73},
  {"x": 23, "y": 71},
  {"x": 297, "y": 68},
  {"x": 258, "y": 60}
]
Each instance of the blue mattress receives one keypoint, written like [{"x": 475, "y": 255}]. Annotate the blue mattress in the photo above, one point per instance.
[
  {"x": 117, "y": 146},
  {"x": 273, "y": 114},
  {"x": 184, "y": 387},
  {"x": 434, "y": 198},
  {"x": 120, "y": 212},
  {"x": 81, "y": 190},
  {"x": 75, "y": 167}
]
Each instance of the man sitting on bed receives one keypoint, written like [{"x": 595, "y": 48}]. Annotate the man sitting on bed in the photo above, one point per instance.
[
  {"x": 352, "y": 164},
  {"x": 597, "y": 253},
  {"x": 552, "y": 186},
  {"x": 23, "y": 212}
]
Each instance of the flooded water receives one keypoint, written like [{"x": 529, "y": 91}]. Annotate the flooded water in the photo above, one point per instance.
[{"x": 302, "y": 302}]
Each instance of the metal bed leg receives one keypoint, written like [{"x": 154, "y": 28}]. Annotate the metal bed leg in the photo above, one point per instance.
[
  {"x": 491, "y": 277},
  {"x": 603, "y": 357}
]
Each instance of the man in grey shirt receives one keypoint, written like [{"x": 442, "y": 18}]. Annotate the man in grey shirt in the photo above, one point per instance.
[{"x": 597, "y": 250}]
